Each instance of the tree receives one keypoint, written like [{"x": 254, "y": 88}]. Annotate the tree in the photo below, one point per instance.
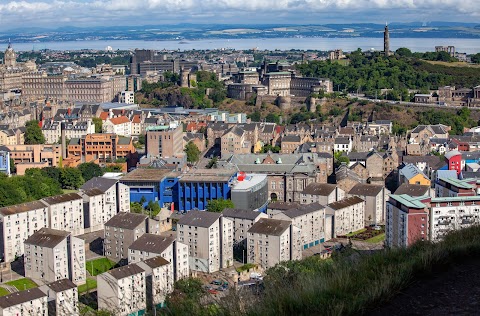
[
  {"x": 98, "y": 124},
  {"x": 255, "y": 116},
  {"x": 476, "y": 58},
  {"x": 136, "y": 207},
  {"x": 90, "y": 170},
  {"x": 33, "y": 133},
  {"x": 340, "y": 158},
  {"x": 141, "y": 139},
  {"x": 219, "y": 205},
  {"x": 272, "y": 118},
  {"x": 71, "y": 178},
  {"x": 52, "y": 173},
  {"x": 13, "y": 168},
  {"x": 404, "y": 52},
  {"x": 212, "y": 163},
  {"x": 192, "y": 151},
  {"x": 153, "y": 208}
]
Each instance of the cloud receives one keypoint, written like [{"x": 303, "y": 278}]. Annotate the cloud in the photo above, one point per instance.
[{"x": 115, "y": 12}]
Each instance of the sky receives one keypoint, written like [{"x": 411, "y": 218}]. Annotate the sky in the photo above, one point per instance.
[{"x": 84, "y": 13}]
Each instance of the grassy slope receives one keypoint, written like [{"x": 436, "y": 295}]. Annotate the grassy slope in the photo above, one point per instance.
[
  {"x": 22, "y": 284},
  {"x": 352, "y": 286},
  {"x": 98, "y": 266},
  {"x": 3, "y": 291}
]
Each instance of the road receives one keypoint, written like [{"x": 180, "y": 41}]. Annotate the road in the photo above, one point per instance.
[{"x": 430, "y": 105}]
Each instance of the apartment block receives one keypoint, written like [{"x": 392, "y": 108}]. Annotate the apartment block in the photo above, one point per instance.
[
  {"x": 118, "y": 125},
  {"x": 375, "y": 198},
  {"x": 121, "y": 231},
  {"x": 323, "y": 193},
  {"x": 52, "y": 130},
  {"x": 450, "y": 187},
  {"x": 209, "y": 237},
  {"x": 309, "y": 219},
  {"x": 35, "y": 156},
  {"x": 32, "y": 302},
  {"x": 345, "y": 216},
  {"x": 164, "y": 141},
  {"x": 66, "y": 212},
  {"x": 242, "y": 221},
  {"x": 17, "y": 223},
  {"x": 52, "y": 255},
  {"x": 150, "y": 246},
  {"x": 62, "y": 298},
  {"x": 122, "y": 291},
  {"x": 271, "y": 241},
  {"x": 407, "y": 220},
  {"x": 159, "y": 281}
]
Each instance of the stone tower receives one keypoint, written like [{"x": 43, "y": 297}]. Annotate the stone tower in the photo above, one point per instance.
[
  {"x": 10, "y": 58},
  {"x": 386, "y": 41}
]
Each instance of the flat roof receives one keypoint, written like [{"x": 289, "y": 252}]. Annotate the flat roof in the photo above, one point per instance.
[
  {"x": 460, "y": 183},
  {"x": 456, "y": 199},
  {"x": 250, "y": 181},
  {"x": 207, "y": 175},
  {"x": 410, "y": 201},
  {"x": 146, "y": 174}
]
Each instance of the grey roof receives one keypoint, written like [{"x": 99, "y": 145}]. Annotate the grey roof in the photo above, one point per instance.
[
  {"x": 124, "y": 140},
  {"x": 57, "y": 199},
  {"x": 103, "y": 184},
  {"x": 125, "y": 271},
  {"x": 21, "y": 297},
  {"x": 199, "y": 218},
  {"x": 152, "y": 243},
  {"x": 345, "y": 203},
  {"x": 290, "y": 163},
  {"x": 21, "y": 208},
  {"x": 279, "y": 205},
  {"x": 412, "y": 189},
  {"x": 239, "y": 213},
  {"x": 303, "y": 209},
  {"x": 270, "y": 226},
  {"x": 126, "y": 220},
  {"x": 237, "y": 131},
  {"x": 156, "y": 262},
  {"x": 342, "y": 140},
  {"x": 410, "y": 170},
  {"x": 432, "y": 161},
  {"x": 47, "y": 237},
  {"x": 62, "y": 285},
  {"x": 354, "y": 156},
  {"x": 323, "y": 189},
  {"x": 291, "y": 138},
  {"x": 219, "y": 126},
  {"x": 93, "y": 192},
  {"x": 366, "y": 189}
]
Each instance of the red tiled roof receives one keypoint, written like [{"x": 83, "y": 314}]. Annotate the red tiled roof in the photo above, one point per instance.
[
  {"x": 137, "y": 119},
  {"x": 119, "y": 120},
  {"x": 103, "y": 116}
]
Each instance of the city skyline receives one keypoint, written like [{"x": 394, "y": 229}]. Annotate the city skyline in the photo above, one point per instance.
[{"x": 86, "y": 13}]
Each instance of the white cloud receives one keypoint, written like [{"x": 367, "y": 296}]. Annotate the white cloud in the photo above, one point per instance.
[{"x": 114, "y": 12}]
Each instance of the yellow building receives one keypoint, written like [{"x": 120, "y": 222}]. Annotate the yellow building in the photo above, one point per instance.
[{"x": 412, "y": 175}]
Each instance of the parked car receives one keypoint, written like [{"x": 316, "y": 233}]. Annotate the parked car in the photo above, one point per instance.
[
  {"x": 217, "y": 282},
  {"x": 213, "y": 291}
]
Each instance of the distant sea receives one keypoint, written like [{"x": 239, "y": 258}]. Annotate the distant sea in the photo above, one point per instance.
[{"x": 469, "y": 46}]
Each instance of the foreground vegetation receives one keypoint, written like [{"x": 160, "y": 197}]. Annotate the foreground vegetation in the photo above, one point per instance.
[{"x": 349, "y": 284}]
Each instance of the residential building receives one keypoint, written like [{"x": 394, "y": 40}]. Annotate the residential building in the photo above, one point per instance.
[
  {"x": 375, "y": 198},
  {"x": 344, "y": 217},
  {"x": 411, "y": 174},
  {"x": 65, "y": 212},
  {"x": 102, "y": 199},
  {"x": 242, "y": 221},
  {"x": 271, "y": 241},
  {"x": 322, "y": 193},
  {"x": 165, "y": 141},
  {"x": 454, "y": 160},
  {"x": 159, "y": 281},
  {"x": 234, "y": 142},
  {"x": 62, "y": 298},
  {"x": 34, "y": 156},
  {"x": 52, "y": 130},
  {"x": 407, "y": 220},
  {"x": 414, "y": 190},
  {"x": 123, "y": 290},
  {"x": 149, "y": 246},
  {"x": 343, "y": 144},
  {"x": 5, "y": 162},
  {"x": 209, "y": 237},
  {"x": 31, "y": 302},
  {"x": 121, "y": 126},
  {"x": 127, "y": 97},
  {"x": 450, "y": 187},
  {"x": 52, "y": 255},
  {"x": 121, "y": 231},
  {"x": 18, "y": 222},
  {"x": 309, "y": 219}
]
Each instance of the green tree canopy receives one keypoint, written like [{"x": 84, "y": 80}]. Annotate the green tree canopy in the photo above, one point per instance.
[
  {"x": 98, "y": 124},
  {"x": 90, "y": 170},
  {"x": 71, "y": 178},
  {"x": 339, "y": 157},
  {"x": 192, "y": 151},
  {"x": 33, "y": 133},
  {"x": 219, "y": 205},
  {"x": 154, "y": 208}
]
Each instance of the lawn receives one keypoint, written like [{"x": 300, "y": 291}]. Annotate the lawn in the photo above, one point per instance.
[
  {"x": 65, "y": 191},
  {"x": 99, "y": 266},
  {"x": 22, "y": 284},
  {"x": 357, "y": 232},
  {"x": 91, "y": 284},
  {"x": 3, "y": 291},
  {"x": 246, "y": 267},
  {"x": 376, "y": 239}
]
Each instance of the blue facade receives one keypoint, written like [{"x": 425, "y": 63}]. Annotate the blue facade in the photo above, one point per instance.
[{"x": 5, "y": 162}]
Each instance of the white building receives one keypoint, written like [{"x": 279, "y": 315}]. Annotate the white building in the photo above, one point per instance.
[
  {"x": 150, "y": 246},
  {"x": 52, "y": 130},
  {"x": 18, "y": 222},
  {"x": 271, "y": 241},
  {"x": 343, "y": 217},
  {"x": 310, "y": 219},
  {"x": 121, "y": 126},
  {"x": 453, "y": 213},
  {"x": 32, "y": 302},
  {"x": 242, "y": 221},
  {"x": 323, "y": 193},
  {"x": 159, "y": 280},
  {"x": 375, "y": 198},
  {"x": 65, "y": 212},
  {"x": 62, "y": 297},
  {"x": 127, "y": 97},
  {"x": 209, "y": 237},
  {"x": 343, "y": 144},
  {"x": 52, "y": 255},
  {"x": 122, "y": 290}
]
